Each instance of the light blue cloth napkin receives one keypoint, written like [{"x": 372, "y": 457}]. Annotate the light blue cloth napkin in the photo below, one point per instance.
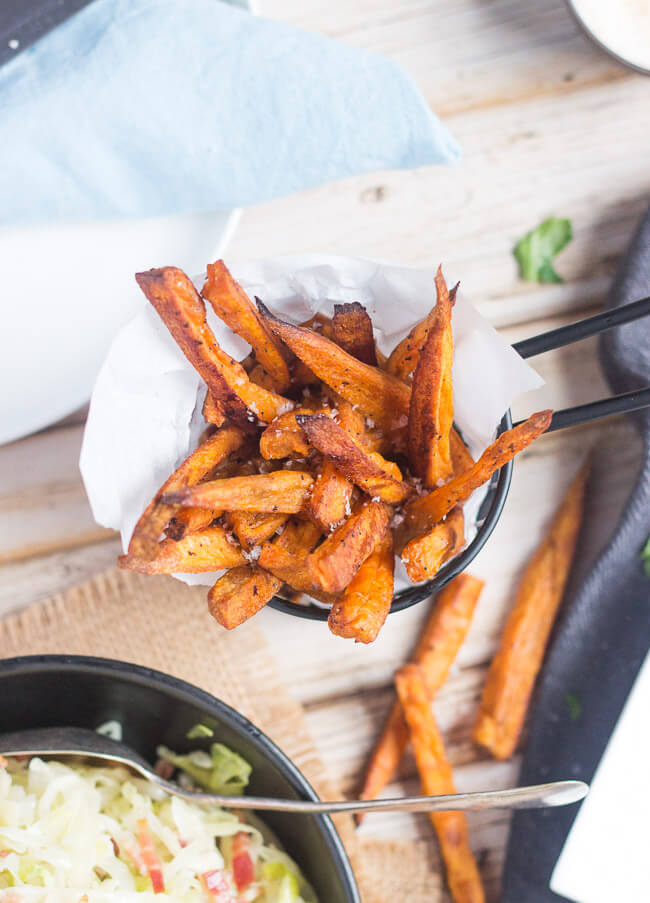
[{"x": 153, "y": 107}]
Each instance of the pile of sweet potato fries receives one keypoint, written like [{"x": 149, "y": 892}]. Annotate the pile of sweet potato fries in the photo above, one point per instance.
[
  {"x": 506, "y": 695},
  {"x": 321, "y": 461}
]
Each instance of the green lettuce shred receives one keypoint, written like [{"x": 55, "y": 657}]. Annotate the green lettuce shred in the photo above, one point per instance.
[
  {"x": 219, "y": 771},
  {"x": 645, "y": 557},
  {"x": 198, "y": 731},
  {"x": 281, "y": 883}
]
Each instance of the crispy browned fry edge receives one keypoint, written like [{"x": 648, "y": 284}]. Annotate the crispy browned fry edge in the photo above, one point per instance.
[
  {"x": 212, "y": 411},
  {"x": 425, "y": 554},
  {"x": 514, "y": 669},
  {"x": 439, "y": 643},
  {"x": 352, "y": 331},
  {"x": 378, "y": 394},
  {"x": 404, "y": 357},
  {"x": 428, "y": 510},
  {"x": 360, "y": 611},
  {"x": 240, "y": 593},
  {"x": 369, "y": 471},
  {"x": 206, "y": 550},
  {"x": 182, "y": 310},
  {"x": 461, "y": 459},
  {"x": 284, "y": 436},
  {"x": 331, "y": 497},
  {"x": 286, "y": 557},
  {"x": 252, "y": 529},
  {"x": 280, "y": 492},
  {"x": 335, "y": 562},
  {"x": 199, "y": 464},
  {"x": 231, "y": 303},
  {"x": 431, "y": 414},
  {"x": 189, "y": 520},
  {"x": 436, "y": 776}
]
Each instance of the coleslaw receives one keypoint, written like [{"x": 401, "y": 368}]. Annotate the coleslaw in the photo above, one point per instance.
[{"x": 88, "y": 834}]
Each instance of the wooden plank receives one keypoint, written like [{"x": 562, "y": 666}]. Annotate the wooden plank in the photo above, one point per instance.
[
  {"x": 43, "y": 504},
  {"x": 466, "y": 55}
]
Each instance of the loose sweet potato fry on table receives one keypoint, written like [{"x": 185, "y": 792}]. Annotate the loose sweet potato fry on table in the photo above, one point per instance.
[
  {"x": 331, "y": 497},
  {"x": 431, "y": 414},
  {"x": 352, "y": 331},
  {"x": 335, "y": 562},
  {"x": 253, "y": 529},
  {"x": 378, "y": 394},
  {"x": 231, "y": 303},
  {"x": 361, "y": 609},
  {"x": 181, "y": 308},
  {"x": 436, "y": 777},
  {"x": 207, "y": 550},
  {"x": 240, "y": 593},
  {"x": 199, "y": 464},
  {"x": 189, "y": 520},
  {"x": 442, "y": 637},
  {"x": 280, "y": 492},
  {"x": 424, "y": 555},
  {"x": 428, "y": 510},
  {"x": 515, "y": 667},
  {"x": 372, "y": 473}
]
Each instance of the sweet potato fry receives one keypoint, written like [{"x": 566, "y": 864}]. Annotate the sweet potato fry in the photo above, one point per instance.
[
  {"x": 428, "y": 510},
  {"x": 424, "y": 555},
  {"x": 461, "y": 459},
  {"x": 331, "y": 497},
  {"x": 431, "y": 414},
  {"x": 240, "y": 593},
  {"x": 231, "y": 303},
  {"x": 284, "y": 436},
  {"x": 368, "y": 470},
  {"x": 436, "y": 777},
  {"x": 335, "y": 562},
  {"x": 286, "y": 557},
  {"x": 280, "y": 492},
  {"x": 258, "y": 375},
  {"x": 516, "y": 665},
  {"x": 361, "y": 609},
  {"x": 352, "y": 331},
  {"x": 199, "y": 464},
  {"x": 207, "y": 550},
  {"x": 182, "y": 310},
  {"x": 212, "y": 410},
  {"x": 442, "y": 637},
  {"x": 404, "y": 358},
  {"x": 253, "y": 529},
  {"x": 378, "y": 394},
  {"x": 189, "y": 520}
]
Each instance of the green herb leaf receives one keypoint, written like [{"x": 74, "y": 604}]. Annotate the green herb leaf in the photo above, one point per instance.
[
  {"x": 645, "y": 557},
  {"x": 199, "y": 730},
  {"x": 535, "y": 251},
  {"x": 574, "y": 706},
  {"x": 221, "y": 770}
]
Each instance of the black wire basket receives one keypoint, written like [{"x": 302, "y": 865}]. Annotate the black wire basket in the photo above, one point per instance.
[{"x": 488, "y": 516}]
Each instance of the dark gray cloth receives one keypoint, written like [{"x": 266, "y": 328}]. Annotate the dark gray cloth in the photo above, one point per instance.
[{"x": 603, "y": 633}]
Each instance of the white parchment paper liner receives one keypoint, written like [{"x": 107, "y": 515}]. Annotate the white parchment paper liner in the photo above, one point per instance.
[{"x": 145, "y": 417}]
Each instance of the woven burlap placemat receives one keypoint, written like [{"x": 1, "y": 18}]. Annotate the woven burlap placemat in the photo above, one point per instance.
[{"x": 163, "y": 624}]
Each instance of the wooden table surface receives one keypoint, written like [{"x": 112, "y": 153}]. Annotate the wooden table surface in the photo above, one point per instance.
[{"x": 548, "y": 125}]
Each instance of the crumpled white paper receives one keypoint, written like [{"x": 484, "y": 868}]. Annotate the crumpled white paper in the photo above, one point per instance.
[{"x": 145, "y": 416}]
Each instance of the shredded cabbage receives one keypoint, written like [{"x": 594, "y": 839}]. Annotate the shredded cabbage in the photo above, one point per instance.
[
  {"x": 72, "y": 833},
  {"x": 220, "y": 771}
]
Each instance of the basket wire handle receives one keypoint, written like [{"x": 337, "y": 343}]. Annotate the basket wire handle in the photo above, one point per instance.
[{"x": 574, "y": 332}]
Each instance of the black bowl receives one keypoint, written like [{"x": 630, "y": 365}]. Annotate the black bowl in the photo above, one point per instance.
[
  {"x": 488, "y": 517},
  {"x": 153, "y": 708}
]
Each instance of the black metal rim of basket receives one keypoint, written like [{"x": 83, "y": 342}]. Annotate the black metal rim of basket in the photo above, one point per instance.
[{"x": 488, "y": 516}]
